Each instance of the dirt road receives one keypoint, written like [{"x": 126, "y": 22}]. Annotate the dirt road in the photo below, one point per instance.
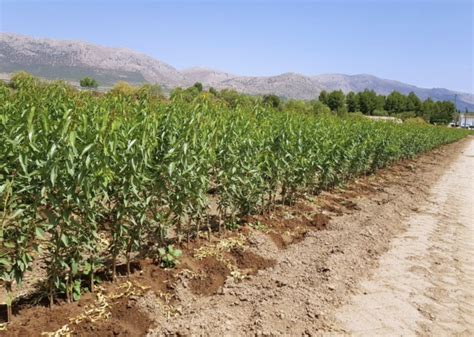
[
  {"x": 425, "y": 283},
  {"x": 399, "y": 262}
]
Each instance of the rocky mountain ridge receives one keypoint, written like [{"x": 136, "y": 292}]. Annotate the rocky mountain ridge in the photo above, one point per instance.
[{"x": 72, "y": 60}]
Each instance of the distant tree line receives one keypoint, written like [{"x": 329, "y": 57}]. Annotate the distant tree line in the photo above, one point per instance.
[{"x": 369, "y": 102}]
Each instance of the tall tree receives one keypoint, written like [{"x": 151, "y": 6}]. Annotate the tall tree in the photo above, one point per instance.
[
  {"x": 323, "y": 97},
  {"x": 272, "y": 100},
  {"x": 395, "y": 102},
  {"x": 367, "y": 101},
  {"x": 443, "y": 113},
  {"x": 414, "y": 103},
  {"x": 352, "y": 101},
  {"x": 335, "y": 100},
  {"x": 319, "y": 108},
  {"x": 380, "y": 102},
  {"x": 427, "y": 109},
  {"x": 198, "y": 86}
]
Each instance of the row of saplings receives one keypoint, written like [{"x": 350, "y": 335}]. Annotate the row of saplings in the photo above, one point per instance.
[{"x": 90, "y": 182}]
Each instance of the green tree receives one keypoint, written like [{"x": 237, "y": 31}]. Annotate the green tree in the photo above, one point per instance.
[
  {"x": 413, "y": 103},
  {"x": 213, "y": 91},
  {"x": 231, "y": 97},
  {"x": 318, "y": 107},
  {"x": 380, "y": 102},
  {"x": 443, "y": 113},
  {"x": 198, "y": 86},
  {"x": 395, "y": 102},
  {"x": 295, "y": 105},
  {"x": 272, "y": 100},
  {"x": 323, "y": 97},
  {"x": 352, "y": 101},
  {"x": 148, "y": 91},
  {"x": 88, "y": 82},
  {"x": 367, "y": 101},
  {"x": 427, "y": 109},
  {"x": 335, "y": 100},
  {"x": 185, "y": 95}
]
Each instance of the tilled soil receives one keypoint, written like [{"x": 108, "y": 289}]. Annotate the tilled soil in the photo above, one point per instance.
[{"x": 300, "y": 295}]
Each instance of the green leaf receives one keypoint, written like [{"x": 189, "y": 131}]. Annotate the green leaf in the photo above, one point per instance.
[
  {"x": 53, "y": 176},
  {"x": 171, "y": 168},
  {"x": 74, "y": 267},
  {"x": 23, "y": 164},
  {"x": 64, "y": 240},
  {"x": 39, "y": 232},
  {"x": 9, "y": 245},
  {"x": 4, "y": 261},
  {"x": 86, "y": 149}
]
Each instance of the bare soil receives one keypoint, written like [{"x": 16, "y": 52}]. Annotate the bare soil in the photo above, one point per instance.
[
  {"x": 294, "y": 271},
  {"x": 424, "y": 284}
]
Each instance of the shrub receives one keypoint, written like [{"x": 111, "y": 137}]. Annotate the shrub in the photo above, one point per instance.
[{"x": 88, "y": 82}]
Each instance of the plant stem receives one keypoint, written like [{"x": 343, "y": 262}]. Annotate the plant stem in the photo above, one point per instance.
[{"x": 114, "y": 267}]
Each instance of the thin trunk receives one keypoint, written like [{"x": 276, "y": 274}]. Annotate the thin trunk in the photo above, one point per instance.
[
  {"x": 269, "y": 205},
  {"x": 92, "y": 280},
  {"x": 9, "y": 313},
  {"x": 128, "y": 264},
  {"x": 68, "y": 290},
  {"x": 160, "y": 235},
  {"x": 224, "y": 220},
  {"x": 127, "y": 257},
  {"x": 198, "y": 222},
  {"x": 209, "y": 230},
  {"x": 283, "y": 194},
  {"x": 179, "y": 230},
  {"x": 188, "y": 234},
  {"x": 114, "y": 267},
  {"x": 9, "y": 302},
  {"x": 51, "y": 295}
]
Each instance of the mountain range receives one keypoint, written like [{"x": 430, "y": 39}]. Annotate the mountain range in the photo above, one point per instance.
[{"x": 73, "y": 60}]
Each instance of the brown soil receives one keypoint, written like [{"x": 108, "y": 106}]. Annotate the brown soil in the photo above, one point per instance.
[
  {"x": 250, "y": 262},
  {"x": 290, "y": 224},
  {"x": 126, "y": 320},
  {"x": 156, "y": 278},
  {"x": 215, "y": 274},
  {"x": 320, "y": 221},
  {"x": 36, "y": 320}
]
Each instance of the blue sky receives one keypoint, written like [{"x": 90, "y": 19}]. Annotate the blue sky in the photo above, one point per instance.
[{"x": 426, "y": 43}]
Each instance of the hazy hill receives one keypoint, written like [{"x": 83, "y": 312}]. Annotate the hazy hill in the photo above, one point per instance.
[{"x": 72, "y": 60}]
